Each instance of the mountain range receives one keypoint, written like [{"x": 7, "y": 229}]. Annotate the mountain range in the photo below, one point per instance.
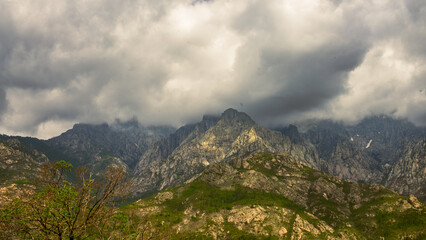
[
  {"x": 378, "y": 150},
  {"x": 317, "y": 176}
]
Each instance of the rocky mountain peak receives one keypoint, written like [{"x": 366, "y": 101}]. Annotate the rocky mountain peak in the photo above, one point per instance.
[
  {"x": 231, "y": 115},
  {"x": 230, "y": 112}
]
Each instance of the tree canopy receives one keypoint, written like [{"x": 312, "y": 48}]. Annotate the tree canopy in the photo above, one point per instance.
[{"x": 64, "y": 210}]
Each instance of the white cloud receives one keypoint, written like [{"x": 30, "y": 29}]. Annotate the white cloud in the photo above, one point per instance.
[
  {"x": 385, "y": 83},
  {"x": 168, "y": 62}
]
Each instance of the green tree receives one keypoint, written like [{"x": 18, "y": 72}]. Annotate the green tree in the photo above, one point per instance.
[{"x": 62, "y": 210}]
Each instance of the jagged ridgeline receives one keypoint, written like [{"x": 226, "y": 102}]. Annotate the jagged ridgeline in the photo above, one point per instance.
[
  {"x": 377, "y": 150},
  {"x": 266, "y": 196}
]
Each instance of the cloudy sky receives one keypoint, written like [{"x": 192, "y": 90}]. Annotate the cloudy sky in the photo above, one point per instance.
[{"x": 170, "y": 62}]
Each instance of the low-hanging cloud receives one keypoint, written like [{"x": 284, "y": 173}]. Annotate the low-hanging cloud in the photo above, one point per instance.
[{"x": 169, "y": 62}]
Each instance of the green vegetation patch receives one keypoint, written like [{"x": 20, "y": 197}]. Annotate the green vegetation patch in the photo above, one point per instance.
[
  {"x": 392, "y": 224},
  {"x": 205, "y": 197},
  {"x": 372, "y": 220},
  {"x": 21, "y": 182}
]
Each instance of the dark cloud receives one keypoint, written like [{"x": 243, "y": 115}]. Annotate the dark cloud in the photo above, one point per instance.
[
  {"x": 3, "y": 101},
  {"x": 414, "y": 35},
  {"x": 417, "y": 10},
  {"x": 169, "y": 62},
  {"x": 310, "y": 80}
]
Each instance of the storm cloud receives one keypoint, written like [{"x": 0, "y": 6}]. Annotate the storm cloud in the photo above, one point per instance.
[{"x": 169, "y": 62}]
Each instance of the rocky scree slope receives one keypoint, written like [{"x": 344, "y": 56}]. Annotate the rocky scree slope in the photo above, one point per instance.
[{"x": 266, "y": 196}]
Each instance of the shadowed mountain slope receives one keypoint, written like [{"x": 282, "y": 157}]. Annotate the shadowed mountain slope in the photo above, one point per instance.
[{"x": 121, "y": 143}]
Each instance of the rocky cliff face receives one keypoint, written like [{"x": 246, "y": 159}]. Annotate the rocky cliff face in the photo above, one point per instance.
[
  {"x": 371, "y": 150},
  {"x": 121, "y": 143},
  {"x": 234, "y": 134},
  {"x": 341, "y": 155},
  {"x": 163, "y": 148},
  {"x": 408, "y": 174},
  {"x": 274, "y": 196}
]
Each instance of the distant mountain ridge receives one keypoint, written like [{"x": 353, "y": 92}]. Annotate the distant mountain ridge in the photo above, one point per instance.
[
  {"x": 121, "y": 143},
  {"x": 370, "y": 150}
]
